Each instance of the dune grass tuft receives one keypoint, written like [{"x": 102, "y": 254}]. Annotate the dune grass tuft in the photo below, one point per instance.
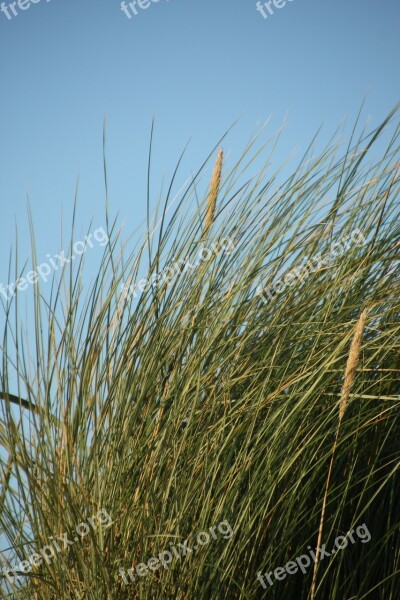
[{"x": 200, "y": 402}]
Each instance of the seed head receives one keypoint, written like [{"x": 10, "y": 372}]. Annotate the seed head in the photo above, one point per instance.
[
  {"x": 213, "y": 192},
  {"x": 352, "y": 363}
]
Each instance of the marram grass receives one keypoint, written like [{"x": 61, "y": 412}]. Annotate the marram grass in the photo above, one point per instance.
[{"x": 200, "y": 401}]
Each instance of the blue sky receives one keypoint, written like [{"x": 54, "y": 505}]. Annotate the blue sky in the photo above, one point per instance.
[{"x": 194, "y": 66}]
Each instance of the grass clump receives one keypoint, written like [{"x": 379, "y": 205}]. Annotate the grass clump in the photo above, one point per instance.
[{"x": 239, "y": 387}]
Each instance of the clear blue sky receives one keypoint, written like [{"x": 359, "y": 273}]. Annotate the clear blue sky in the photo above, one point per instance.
[{"x": 196, "y": 67}]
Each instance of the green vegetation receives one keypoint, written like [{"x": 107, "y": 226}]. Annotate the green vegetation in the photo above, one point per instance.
[{"x": 197, "y": 401}]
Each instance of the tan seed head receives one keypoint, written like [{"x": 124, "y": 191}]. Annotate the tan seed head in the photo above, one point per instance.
[
  {"x": 352, "y": 362},
  {"x": 213, "y": 192}
]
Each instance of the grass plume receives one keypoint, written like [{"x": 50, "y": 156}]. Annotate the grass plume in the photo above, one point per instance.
[
  {"x": 352, "y": 362},
  {"x": 213, "y": 192}
]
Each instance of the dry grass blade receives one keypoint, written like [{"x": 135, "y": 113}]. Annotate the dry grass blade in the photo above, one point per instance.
[{"x": 17, "y": 400}]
